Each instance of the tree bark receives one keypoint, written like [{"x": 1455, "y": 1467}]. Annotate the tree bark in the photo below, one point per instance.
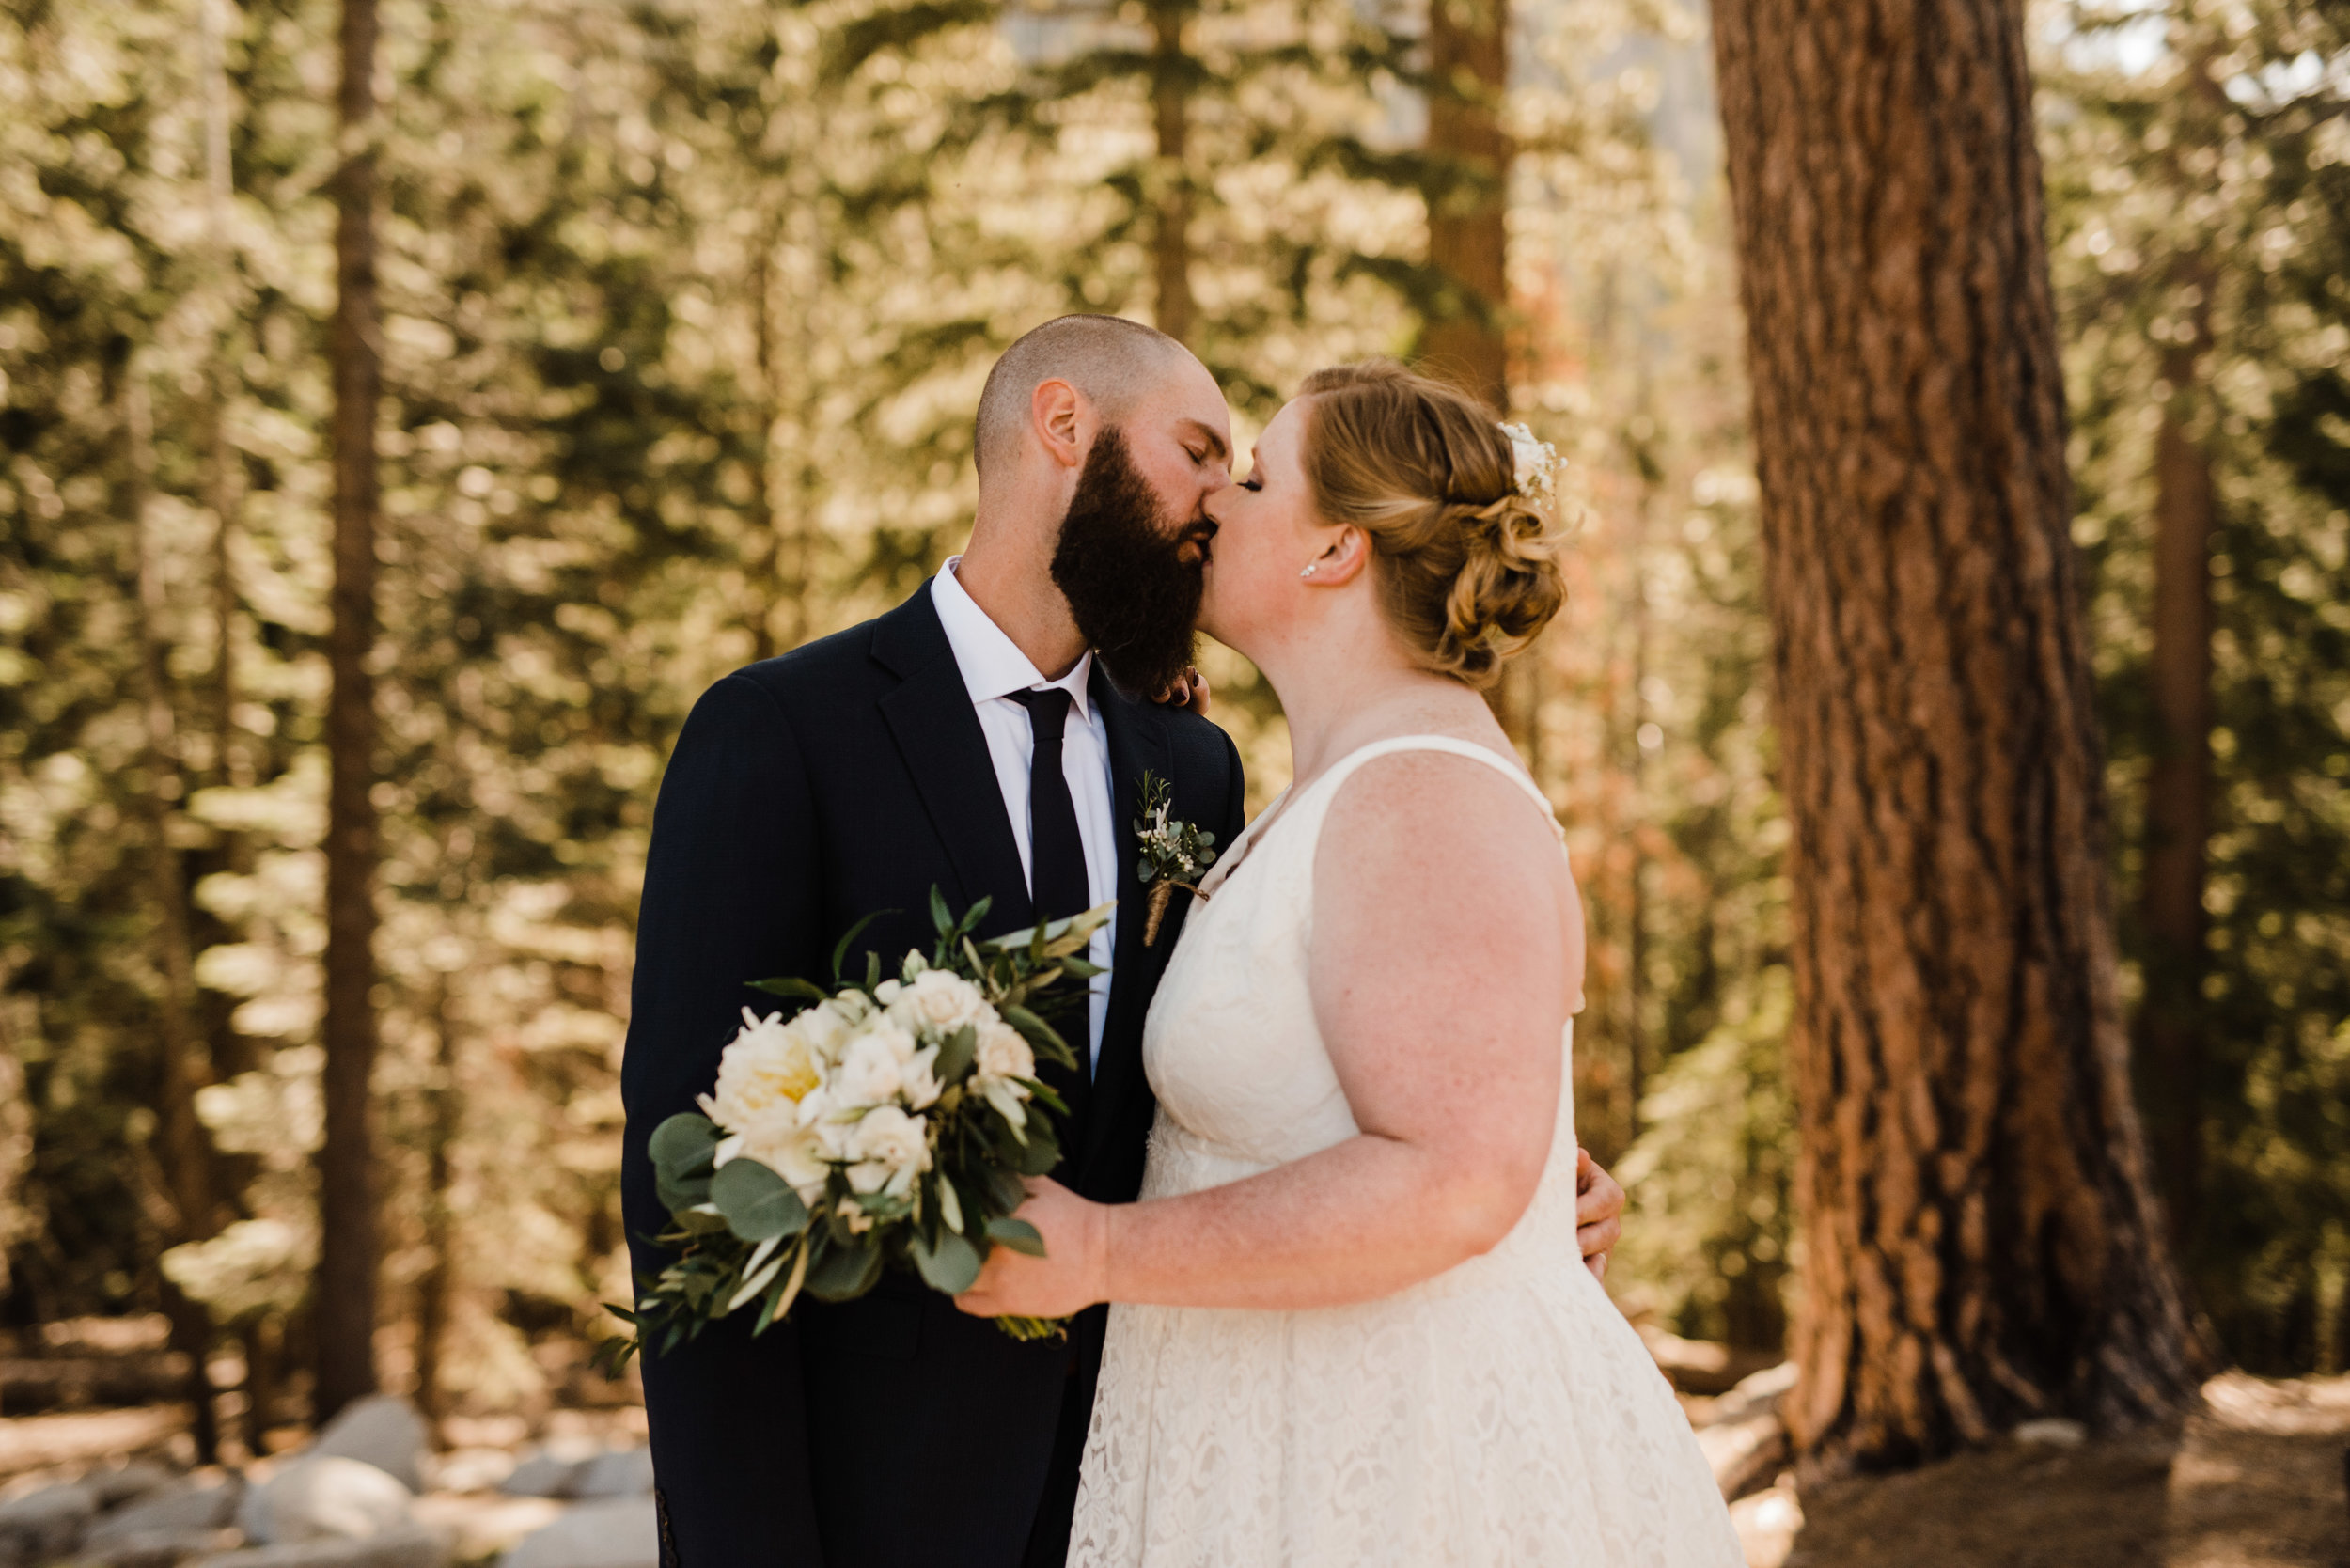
[
  {"x": 1982, "y": 1241},
  {"x": 434, "y": 1289},
  {"x": 187, "y": 1153},
  {"x": 1468, "y": 63},
  {"x": 1171, "y": 106},
  {"x": 2178, "y": 804},
  {"x": 344, "y": 1312}
]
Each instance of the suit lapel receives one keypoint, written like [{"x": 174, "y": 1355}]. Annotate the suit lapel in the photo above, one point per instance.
[
  {"x": 1137, "y": 744},
  {"x": 938, "y": 731}
]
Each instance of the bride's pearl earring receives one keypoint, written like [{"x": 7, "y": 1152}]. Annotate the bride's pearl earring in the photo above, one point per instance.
[{"x": 1309, "y": 569}]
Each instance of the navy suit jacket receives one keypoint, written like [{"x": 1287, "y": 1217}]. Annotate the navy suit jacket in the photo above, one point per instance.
[{"x": 806, "y": 792}]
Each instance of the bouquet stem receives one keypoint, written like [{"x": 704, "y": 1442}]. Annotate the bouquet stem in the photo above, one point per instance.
[{"x": 1030, "y": 1329}]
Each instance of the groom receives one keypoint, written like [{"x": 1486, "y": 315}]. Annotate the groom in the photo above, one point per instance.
[{"x": 984, "y": 737}]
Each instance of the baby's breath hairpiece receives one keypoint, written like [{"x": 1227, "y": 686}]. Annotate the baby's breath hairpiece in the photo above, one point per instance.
[{"x": 1537, "y": 461}]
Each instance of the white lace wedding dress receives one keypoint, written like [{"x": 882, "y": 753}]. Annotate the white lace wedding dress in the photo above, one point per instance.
[{"x": 1501, "y": 1413}]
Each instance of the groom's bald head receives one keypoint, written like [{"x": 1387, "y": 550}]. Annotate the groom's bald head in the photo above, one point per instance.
[{"x": 1111, "y": 360}]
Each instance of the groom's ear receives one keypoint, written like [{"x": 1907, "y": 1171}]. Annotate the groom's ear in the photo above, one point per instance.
[{"x": 1062, "y": 421}]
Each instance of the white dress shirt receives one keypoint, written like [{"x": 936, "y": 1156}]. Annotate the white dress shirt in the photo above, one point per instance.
[{"x": 993, "y": 668}]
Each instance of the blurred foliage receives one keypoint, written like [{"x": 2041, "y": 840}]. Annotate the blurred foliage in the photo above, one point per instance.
[
  {"x": 2200, "y": 185},
  {"x": 687, "y": 304}
]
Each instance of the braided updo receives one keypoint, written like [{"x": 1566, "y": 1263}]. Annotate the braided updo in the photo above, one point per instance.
[{"x": 1465, "y": 566}]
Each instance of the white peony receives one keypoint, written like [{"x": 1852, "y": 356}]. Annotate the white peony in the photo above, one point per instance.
[
  {"x": 1004, "y": 1054},
  {"x": 936, "y": 1003},
  {"x": 770, "y": 1066}
]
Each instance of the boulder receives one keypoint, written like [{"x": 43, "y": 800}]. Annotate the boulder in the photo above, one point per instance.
[
  {"x": 407, "y": 1546},
  {"x": 124, "y": 1482},
  {"x": 157, "y": 1548},
  {"x": 325, "y": 1498},
  {"x": 623, "y": 1473},
  {"x": 620, "y": 1532},
  {"x": 45, "y": 1524},
  {"x": 175, "y": 1510},
  {"x": 543, "y": 1475},
  {"x": 383, "y": 1431}
]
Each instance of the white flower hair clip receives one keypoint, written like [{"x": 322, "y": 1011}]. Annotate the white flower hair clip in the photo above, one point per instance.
[{"x": 1537, "y": 461}]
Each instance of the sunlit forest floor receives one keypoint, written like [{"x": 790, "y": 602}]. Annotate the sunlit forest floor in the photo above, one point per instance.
[{"x": 2258, "y": 1478}]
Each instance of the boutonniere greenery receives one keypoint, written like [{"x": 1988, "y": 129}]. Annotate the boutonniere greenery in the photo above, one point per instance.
[{"x": 1175, "y": 854}]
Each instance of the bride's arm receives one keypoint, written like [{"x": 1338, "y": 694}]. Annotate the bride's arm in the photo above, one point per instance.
[{"x": 1446, "y": 945}]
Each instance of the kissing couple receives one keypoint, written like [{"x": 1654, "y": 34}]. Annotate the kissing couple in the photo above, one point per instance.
[{"x": 1334, "y": 1293}]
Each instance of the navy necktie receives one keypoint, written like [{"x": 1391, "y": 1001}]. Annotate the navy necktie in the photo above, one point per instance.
[{"x": 1057, "y": 885}]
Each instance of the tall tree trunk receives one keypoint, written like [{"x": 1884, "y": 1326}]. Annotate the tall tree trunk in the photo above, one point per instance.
[
  {"x": 343, "y": 1326},
  {"x": 186, "y": 1151},
  {"x": 2178, "y": 802},
  {"x": 1981, "y": 1241},
  {"x": 220, "y": 488},
  {"x": 1170, "y": 104},
  {"x": 440, "y": 1222},
  {"x": 1469, "y": 61}
]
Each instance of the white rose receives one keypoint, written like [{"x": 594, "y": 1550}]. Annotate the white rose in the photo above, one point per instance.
[
  {"x": 1004, "y": 1054},
  {"x": 936, "y": 1003},
  {"x": 891, "y": 1149},
  {"x": 769, "y": 1065},
  {"x": 794, "y": 1153},
  {"x": 918, "y": 1080},
  {"x": 873, "y": 1069}
]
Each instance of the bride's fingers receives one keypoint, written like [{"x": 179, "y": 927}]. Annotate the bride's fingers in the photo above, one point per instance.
[{"x": 1188, "y": 691}]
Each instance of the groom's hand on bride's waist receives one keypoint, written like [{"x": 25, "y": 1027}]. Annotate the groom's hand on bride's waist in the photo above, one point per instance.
[{"x": 1598, "y": 1212}]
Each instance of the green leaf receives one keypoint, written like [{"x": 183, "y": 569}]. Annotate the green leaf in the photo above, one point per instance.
[
  {"x": 951, "y": 1266},
  {"x": 955, "y": 1057},
  {"x": 806, "y": 990},
  {"x": 1041, "y": 1152},
  {"x": 840, "y": 950},
  {"x": 681, "y": 1194},
  {"x": 1040, "y": 1034},
  {"x": 1081, "y": 970},
  {"x": 758, "y": 1204},
  {"x": 683, "y": 1145},
  {"x": 845, "y": 1273},
  {"x": 1018, "y": 1234},
  {"x": 940, "y": 916},
  {"x": 949, "y": 1205},
  {"x": 1004, "y": 1190},
  {"x": 873, "y": 970}
]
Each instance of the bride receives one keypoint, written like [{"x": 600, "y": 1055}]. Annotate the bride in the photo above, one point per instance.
[{"x": 1351, "y": 1324}]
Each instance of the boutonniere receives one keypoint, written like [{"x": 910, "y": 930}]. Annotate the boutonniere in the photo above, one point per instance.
[{"x": 1174, "y": 854}]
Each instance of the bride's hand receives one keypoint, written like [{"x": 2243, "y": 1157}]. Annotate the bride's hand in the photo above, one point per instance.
[{"x": 1067, "y": 1279}]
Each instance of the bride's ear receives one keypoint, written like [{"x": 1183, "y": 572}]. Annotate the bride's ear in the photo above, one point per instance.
[{"x": 1343, "y": 556}]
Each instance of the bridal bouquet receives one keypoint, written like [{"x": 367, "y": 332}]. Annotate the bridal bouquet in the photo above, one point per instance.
[{"x": 887, "y": 1122}]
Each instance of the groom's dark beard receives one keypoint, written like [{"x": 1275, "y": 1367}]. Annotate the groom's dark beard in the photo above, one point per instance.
[{"x": 1119, "y": 563}]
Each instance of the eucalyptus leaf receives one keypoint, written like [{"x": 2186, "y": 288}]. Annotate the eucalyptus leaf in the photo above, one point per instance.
[
  {"x": 845, "y": 1272},
  {"x": 759, "y": 1205},
  {"x": 1018, "y": 1234},
  {"x": 676, "y": 1194},
  {"x": 951, "y": 1266},
  {"x": 683, "y": 1145}
]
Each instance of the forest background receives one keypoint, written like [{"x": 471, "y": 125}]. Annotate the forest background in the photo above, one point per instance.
[{"x": 683, "y": 308}]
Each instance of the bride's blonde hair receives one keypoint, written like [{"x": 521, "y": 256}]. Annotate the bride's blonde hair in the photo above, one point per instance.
[{"x": 1465, "y": 566}]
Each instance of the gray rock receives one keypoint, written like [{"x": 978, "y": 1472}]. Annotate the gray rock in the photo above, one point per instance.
[
  {"x": 621, "y": 1532},
  {"x": 47, "y": 1523},
  {"x": 625, "y": 1473},
  {"x": 121, "y": 1485},
  {"x": 325, "y": 1498},
  {"x": 174, "y": 1510},
  {"x": 383, "y": 1431},
  {"x": 156, "y": 1549},
  {"x": 408, "y": 1546},
  {"x": 543, "y": 1475}
]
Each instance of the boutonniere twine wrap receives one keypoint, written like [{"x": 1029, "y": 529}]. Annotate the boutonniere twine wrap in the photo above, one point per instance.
[{"x": 1175, "y": 854}]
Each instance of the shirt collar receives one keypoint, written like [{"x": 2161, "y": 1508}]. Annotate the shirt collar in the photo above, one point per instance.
[{"x": 992, "y": 664}]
